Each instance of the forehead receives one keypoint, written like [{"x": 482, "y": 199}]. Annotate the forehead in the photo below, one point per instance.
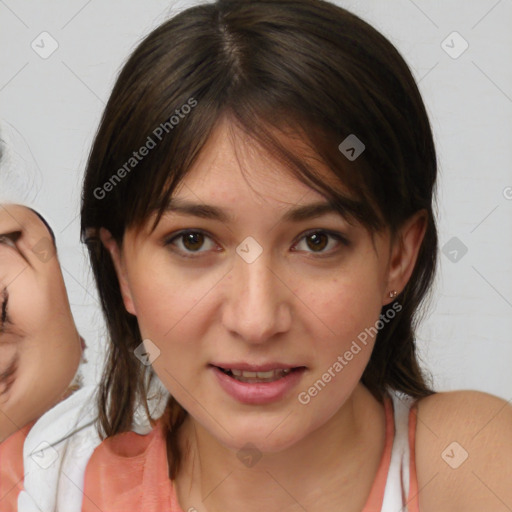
[
  {"x": 234, "y": 173},
  {"x": 232, "y": 164}
]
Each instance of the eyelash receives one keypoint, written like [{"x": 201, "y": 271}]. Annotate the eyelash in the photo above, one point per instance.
[
  {"x": 5, "y": 318},
  {"x": 337, "y": 236},
  {"x": 8, "y": 239}
]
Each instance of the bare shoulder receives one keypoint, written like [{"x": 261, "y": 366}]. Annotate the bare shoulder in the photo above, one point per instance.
[{"x": 464, "y": 452}]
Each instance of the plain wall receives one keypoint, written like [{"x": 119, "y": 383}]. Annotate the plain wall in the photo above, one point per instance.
[{"x": 50, "y": 109}]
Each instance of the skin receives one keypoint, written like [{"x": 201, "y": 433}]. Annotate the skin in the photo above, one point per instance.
[
  {"x": 289, "y": 305},
  {"x": 40, "y": 341}
]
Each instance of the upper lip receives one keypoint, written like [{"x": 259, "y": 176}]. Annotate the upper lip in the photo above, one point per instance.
[{"x": 255, "y": 367}]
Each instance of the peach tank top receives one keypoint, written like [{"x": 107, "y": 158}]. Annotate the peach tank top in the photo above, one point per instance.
[{"x": 129, "y": 472}]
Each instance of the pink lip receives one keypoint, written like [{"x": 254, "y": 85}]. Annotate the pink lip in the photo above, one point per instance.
[
  {"x": 256, "y": 367},
  {"x": 261, "y": 392}
]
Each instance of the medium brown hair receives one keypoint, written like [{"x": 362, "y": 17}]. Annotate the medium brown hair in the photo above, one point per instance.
[{"x": 301, "y": 66}]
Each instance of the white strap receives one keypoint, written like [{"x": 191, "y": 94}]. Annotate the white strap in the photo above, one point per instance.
[{"x": 397, "y": 483}]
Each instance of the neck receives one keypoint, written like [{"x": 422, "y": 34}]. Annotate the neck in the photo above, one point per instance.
[{"x": 334, "y": 464}]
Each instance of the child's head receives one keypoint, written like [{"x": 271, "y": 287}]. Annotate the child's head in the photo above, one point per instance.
[
  {"x": 40, "y": 347},
  {"x": 259, "y": 108}
]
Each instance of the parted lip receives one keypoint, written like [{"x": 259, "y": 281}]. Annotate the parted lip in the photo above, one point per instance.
[{"x": 265, "y": 367}]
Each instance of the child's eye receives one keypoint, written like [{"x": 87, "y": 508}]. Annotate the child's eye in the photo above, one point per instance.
[
  {"x": 10, "y": 238},
  {"x": 191, "y": 241},
  {"x": 7, "y": 239}
]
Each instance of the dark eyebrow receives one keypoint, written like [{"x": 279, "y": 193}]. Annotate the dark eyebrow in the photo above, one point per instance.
[{"x": 297, "y": 214}]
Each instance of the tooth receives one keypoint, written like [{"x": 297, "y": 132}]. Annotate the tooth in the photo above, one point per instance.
[
  {"x": 265, "y": 375},
  {"x": 271, "y": 374}
]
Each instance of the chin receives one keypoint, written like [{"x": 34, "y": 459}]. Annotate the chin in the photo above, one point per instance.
[{"x": 257, "y": 439}]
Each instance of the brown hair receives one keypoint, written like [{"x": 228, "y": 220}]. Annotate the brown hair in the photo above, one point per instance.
[{"x": 299, "y": 66}]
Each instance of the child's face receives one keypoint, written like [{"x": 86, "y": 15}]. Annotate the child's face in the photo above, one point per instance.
[
  {"x": 40, "y": 347},
  {"x": 301, "y": 307}
]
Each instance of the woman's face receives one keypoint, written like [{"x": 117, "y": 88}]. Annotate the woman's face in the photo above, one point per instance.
[
  {"x": 255, "y": 288},
  {"x": 40, "y": 347}
]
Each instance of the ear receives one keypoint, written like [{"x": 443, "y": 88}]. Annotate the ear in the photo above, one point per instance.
[
  {"x": 115, "y": 252},
  {"x": 404, "y": 252}
]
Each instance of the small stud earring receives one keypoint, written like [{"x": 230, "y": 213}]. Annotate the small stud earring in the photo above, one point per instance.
[{"x": 393, "y": 294}]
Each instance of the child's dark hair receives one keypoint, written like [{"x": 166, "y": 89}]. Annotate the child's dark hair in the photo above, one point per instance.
[{"x": 301, "y": 66}]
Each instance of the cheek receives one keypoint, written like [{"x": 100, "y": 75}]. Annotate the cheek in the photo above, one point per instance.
[
  {"x": 174, "y": 312},
  {"x": 29, "y": 304},
  {"x": 170, "y": 301},
  {"x": 49, "y": 349},
  {"x": 345, "y": 310},
  {"x": 341, "y": 307},
  {"x": 44, "y": 373},
  {"x": 339, "y": 316},
  {"x": 31, "y": 392},
  {"x": 49, "y": 335}
]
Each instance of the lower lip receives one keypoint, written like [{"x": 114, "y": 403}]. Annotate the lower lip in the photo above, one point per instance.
[{"x": 258, "y": 393}]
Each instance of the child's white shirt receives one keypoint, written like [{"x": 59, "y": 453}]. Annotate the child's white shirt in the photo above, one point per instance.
[
  {"x": 60, "y": 444},
  {"x": 56, "y": 452}
]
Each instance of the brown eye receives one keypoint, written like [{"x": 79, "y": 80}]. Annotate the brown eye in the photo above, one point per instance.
[
  {"x": 322, "y": 242},
  {"x": 193, "y": 240},
  {"x": 318, "y": 241},
  {"x": 189, "y": 242}
]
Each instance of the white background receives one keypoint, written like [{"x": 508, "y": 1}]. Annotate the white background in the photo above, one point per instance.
[{"x": 50, "y": 109}]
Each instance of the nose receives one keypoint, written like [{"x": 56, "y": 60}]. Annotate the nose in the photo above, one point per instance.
[{"x": 257, "y": 305}]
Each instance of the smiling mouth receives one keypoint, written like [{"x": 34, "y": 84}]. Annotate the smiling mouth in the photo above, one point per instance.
[{"x": 258, "y": 377}]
